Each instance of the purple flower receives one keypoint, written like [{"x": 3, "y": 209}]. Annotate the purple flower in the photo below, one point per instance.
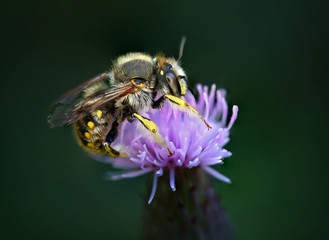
[{"x": 188, "y": 138}]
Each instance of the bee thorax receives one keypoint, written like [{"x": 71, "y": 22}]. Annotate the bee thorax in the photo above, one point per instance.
[{"x": 139, "y": 101}]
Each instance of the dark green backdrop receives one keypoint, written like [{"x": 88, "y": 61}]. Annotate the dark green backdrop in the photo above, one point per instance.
[{"x": 271, "y": 56}]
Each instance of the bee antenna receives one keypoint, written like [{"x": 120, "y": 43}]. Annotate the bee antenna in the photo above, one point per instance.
[{"x": 181, "y": 48}]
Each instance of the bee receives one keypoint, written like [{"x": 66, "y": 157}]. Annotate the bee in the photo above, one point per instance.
[{"x": 98, "y": 106}]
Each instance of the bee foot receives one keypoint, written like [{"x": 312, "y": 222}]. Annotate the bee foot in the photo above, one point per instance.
[
  {"x": 207, "y": 124},
  {"x": 112, "y": 153},
  {"x": 170, "y": 152}
]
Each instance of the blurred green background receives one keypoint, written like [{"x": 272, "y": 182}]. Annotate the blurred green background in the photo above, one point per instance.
[{"x": 270, "y": 56}]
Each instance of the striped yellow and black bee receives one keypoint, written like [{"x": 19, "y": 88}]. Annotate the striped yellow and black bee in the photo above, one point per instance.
[{"x": 97, "y": 107}]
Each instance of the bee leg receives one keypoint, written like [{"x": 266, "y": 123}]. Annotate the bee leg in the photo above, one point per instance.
[
  {"x": 152, "y": 127},
  {"x": 110, "y": 137},
  {"x": 159, "y": 103},
  {"x": 186, "y": 106}
]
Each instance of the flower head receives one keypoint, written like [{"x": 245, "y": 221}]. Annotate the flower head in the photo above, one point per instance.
[{"x": 188, "y": 138}]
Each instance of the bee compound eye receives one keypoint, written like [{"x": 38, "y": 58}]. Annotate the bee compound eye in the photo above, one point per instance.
[
  {"x": 169, "y": 67},
  {"x": 170, "y": 77}
]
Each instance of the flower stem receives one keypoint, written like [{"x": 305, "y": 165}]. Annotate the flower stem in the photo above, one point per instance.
[{"x": 193, "y": 211}]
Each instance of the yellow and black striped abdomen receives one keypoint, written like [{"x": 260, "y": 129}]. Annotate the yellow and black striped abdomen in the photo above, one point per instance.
[{"x": 92, "y": 129}]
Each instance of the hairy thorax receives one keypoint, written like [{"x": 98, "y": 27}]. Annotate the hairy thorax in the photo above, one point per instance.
[{"x": 138, "y": 101}]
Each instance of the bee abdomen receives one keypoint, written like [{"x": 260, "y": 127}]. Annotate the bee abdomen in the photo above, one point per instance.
[{"x": 91, "y": 130}]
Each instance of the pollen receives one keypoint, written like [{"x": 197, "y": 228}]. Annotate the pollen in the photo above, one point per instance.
[
  {"x": 91, "y": 145},
  {"x": 91, "y": 125},
  {"x": 88, "y": 135},
  {"x": 161, "y": 72},
  {"x": 99, "y": 113}
]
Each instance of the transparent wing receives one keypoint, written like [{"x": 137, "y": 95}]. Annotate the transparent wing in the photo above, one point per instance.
[
  {"x": 75, "y": 92},
  {"x": 67, "y": 112}
]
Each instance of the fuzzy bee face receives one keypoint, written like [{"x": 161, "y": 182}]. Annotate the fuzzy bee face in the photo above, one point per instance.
[{"x": 171, "y": 76}]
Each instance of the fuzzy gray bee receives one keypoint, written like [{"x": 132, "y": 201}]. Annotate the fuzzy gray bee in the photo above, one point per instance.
[{"x": 97, "y": 107}]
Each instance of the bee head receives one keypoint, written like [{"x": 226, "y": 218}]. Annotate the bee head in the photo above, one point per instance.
[{"x": 171, "y": 76}]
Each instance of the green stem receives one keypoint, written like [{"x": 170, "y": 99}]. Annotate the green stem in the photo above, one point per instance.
[{"x": 193, "y": 211}]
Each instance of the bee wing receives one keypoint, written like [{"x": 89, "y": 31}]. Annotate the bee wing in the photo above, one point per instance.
[
  {"x": 74, "y": 93},
  {"x": 66, "y": 113}
]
